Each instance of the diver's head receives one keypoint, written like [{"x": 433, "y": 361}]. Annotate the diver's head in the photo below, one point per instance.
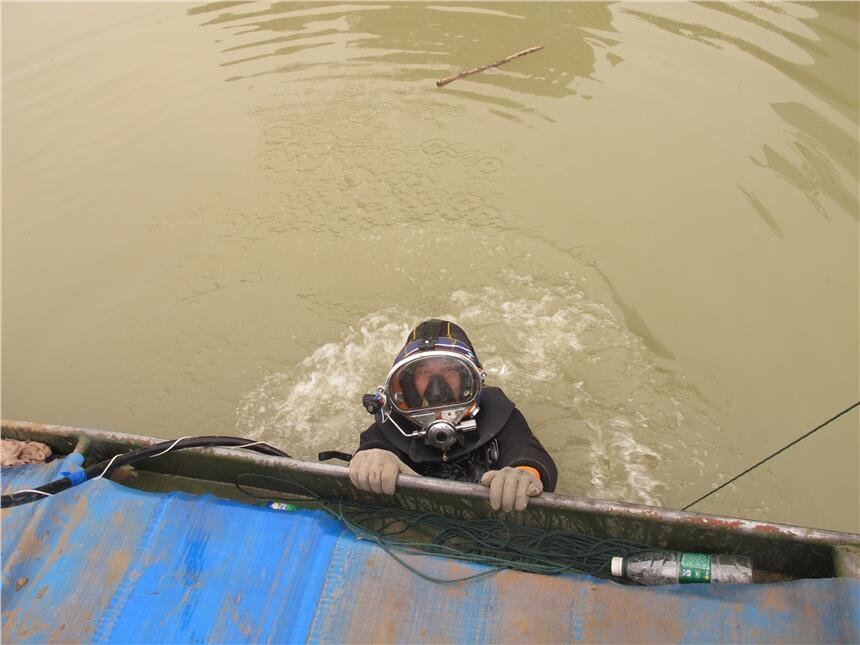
[{"x": 436, "y": 380}]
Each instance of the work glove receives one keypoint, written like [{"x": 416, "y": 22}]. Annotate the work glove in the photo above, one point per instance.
[
  {"x": 376, "y": 470},
  {"x": 14, "y": 453},
  {"x": 510, "y": 488}
]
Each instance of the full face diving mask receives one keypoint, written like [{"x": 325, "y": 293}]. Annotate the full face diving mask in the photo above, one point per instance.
[{"x": 434, "y": 384}]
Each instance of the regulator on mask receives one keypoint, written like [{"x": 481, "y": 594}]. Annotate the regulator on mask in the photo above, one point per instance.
[{"x": 435, "y": 384}]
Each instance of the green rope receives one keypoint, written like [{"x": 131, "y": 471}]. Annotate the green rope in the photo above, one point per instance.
[{"x": 493, "y": 542}]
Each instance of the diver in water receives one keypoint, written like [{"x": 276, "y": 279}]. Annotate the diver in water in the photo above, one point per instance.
[{"x": 434, "y": 417}]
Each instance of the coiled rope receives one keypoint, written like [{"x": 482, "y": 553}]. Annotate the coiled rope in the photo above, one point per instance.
[{"x": 493, "y": 542}]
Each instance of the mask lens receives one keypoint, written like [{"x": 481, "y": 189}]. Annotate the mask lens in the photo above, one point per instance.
[{"x": 432, "y": 381}]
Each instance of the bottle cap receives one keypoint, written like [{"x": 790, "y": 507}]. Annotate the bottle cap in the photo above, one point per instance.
[{"x": 617, "y": 566}]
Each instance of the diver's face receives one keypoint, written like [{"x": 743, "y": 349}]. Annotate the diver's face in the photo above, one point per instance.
[{"x": 448, "y": 370}]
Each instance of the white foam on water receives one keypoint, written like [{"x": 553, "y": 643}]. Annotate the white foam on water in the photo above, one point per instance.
[
  {"x": 317, "y": 405},
  {"x": 579, "y": 374},
  {"x": 589, "y": 386}
]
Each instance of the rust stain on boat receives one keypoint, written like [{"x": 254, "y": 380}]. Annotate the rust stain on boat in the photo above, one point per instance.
[{"x": 766, "y": 528}]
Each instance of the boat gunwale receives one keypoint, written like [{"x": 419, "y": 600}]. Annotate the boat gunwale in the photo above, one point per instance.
[{"x": 779, "y": 545}]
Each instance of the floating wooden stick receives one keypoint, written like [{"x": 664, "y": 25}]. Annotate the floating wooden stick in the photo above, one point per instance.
[{"x": 475, "y": 70}]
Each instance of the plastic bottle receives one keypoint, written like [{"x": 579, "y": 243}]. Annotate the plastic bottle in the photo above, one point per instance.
[
  {"x": 282, "y": 506},
  {"x": 673, "y": 567}
]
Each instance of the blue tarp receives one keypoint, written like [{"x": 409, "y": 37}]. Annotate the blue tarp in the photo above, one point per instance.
[{"x": 108, "y": 564}]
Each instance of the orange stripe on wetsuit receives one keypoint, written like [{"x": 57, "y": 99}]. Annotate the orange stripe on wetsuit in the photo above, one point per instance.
[{"x": 529, "y": 469}]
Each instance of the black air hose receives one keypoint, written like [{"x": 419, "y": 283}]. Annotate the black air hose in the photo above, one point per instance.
[{"x": 106, "y": 467}]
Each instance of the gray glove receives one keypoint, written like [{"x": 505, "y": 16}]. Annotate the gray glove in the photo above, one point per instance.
[
  {"x": 510, "y": 488},
  {"x": 376, "y": 470}
]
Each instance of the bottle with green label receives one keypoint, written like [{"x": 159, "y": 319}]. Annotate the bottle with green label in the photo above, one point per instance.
[
  {"x": 673, "y": 567},
  {"x": 282, "y": 506}
]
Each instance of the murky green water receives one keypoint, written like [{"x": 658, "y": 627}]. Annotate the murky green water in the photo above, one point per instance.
[{"x": 222, "y": 219}]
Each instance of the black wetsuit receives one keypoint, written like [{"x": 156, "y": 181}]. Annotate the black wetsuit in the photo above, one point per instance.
[{"x": 502, "y": 438}]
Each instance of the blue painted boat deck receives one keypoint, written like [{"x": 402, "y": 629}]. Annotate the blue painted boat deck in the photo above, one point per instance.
[{"x": 108, "y": 564}]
